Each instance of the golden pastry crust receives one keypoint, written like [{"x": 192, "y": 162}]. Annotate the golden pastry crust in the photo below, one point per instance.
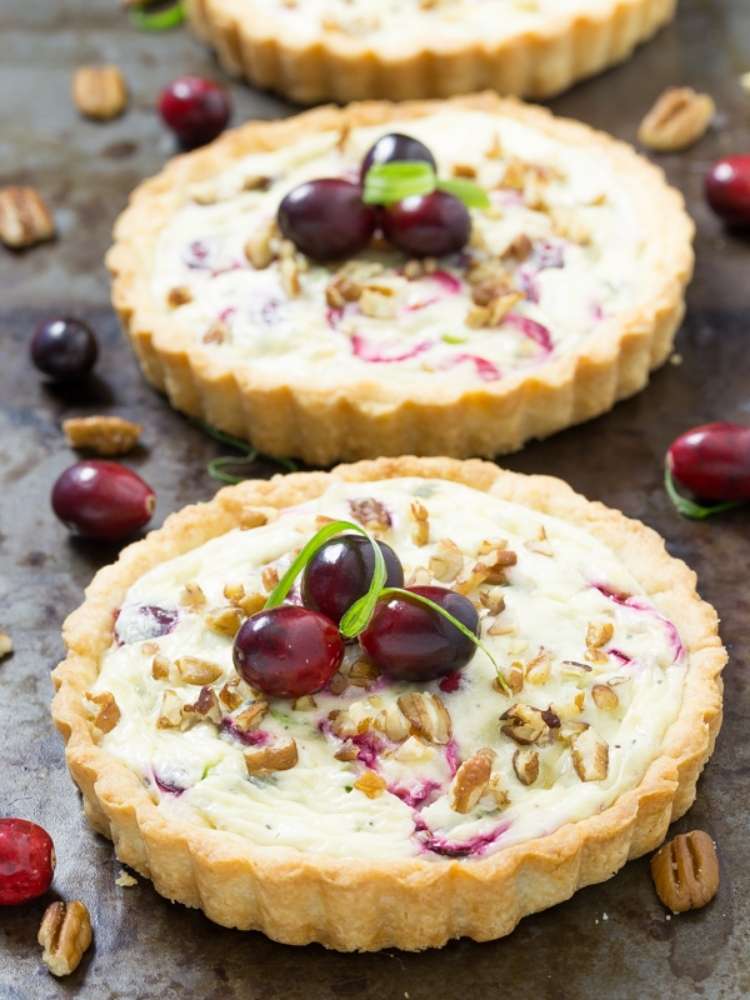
[
  {"x": 353, "y": 904},
  {"x": 251, "y": 42},
  {"x": 372, "y": 417}
]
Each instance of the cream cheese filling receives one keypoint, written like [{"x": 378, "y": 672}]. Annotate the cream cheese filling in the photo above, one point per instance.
[
  {"x": 586, "y": 263},
  {"x": 563, "y": 581}
]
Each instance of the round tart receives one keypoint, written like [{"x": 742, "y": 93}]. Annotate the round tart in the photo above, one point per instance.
[
  {"x": 344, "y": 50},
  {"x": 567, "y": 294},
  {"x": 380, "y": 811}
]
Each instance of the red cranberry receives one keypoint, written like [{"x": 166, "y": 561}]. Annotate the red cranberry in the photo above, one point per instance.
[
  {"x": 27, "y": 861},
  {"x": 64, "y": 348},
  {"x": 341, "y": 571},
  {"x": 713, "y": 461},
  {"x": 728, "y": 189},
  {"x": 327, "y": 219},
  {"x": 288, "y": 652},
  {"x": 411, "y": 642},
  {"x": 428, "y": 225},
  {"x": 102, "y": 500},
  {"x": 396, "y": 146},
  {"x": 196, "y": 109}
]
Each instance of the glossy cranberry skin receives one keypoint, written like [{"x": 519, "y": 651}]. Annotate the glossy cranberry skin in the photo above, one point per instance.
[
  {"x": 428, "y": 225},
  {"x": 288, "y": 652},
  {"x": 340, "y": 572},
  {"x": 326, "y": 219},
  {"x": 410, "y": 642},
  {"x": 728, "y": 189},
  {"x": 195, "y": 109},
  {"x": 397, "y": 146},
  {"x": 713, "y": 461},
  {"x": 64, "y": 348},
  {"x": 27, "y": 861},
  {"x": 102, "y": 500}
]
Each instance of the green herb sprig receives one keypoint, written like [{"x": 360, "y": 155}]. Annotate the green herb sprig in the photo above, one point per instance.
[
  {"x": 162, "y": 19},
  {"x": 249, "y": 456},
  {"x": 386, "y": 183},
  {"x": 690, "y": 508}
]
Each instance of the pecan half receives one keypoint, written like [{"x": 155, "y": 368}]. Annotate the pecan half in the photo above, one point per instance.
[
  {"x": 525, "y": 724},
  {"x": 686, "y": 871},
  {"x": 100, "y": 92},
  {"x": 428, "y": 716},
  {"x": 65, "y": 935},
  {"x": 471, "y": 780},
  {"x": 590, "y": 755},
  {"x": 281, "y": 757},
  {"x": 526, "y": 766},
  {"x": 109, "y": 713},
  {"x": 679, "y": 118},
  {"x": 24, "y": 218},
  {"x": 102, "y": 435}
]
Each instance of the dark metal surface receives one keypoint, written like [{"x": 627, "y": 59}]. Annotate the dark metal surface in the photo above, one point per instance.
[{"x": 610, "y": 941}]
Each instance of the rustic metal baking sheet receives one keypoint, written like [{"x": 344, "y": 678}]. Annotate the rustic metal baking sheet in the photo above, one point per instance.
[{"x": 611, "y": 941}]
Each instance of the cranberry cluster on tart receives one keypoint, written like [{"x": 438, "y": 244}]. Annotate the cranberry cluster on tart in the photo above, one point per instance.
[
  {"x": 525, "y": 703},
  {"x": 345, "y": 50},
  {"x": 264, "y": 293}
]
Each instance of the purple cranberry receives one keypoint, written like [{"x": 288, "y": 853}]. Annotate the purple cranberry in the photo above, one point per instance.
[
  {"x": 64, "y": 348},
  {"x": 195, "y": 109},
  {"x": 428, "y": 225},
  {"x": 326, "y": 219},
  {"x": 397, "y": 147}
]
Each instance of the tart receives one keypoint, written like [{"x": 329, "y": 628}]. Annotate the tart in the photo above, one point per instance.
[
  {"x": 401, "y": 801},
  {"x": 344, "y": 50},
  {"x": 566, "y": 295}
]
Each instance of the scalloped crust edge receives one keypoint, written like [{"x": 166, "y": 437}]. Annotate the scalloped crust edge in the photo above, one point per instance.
[
  {"x": 366, "y": 421},
  {"x": 535, "y": 63},
  {"x": 410, "y": 904}
]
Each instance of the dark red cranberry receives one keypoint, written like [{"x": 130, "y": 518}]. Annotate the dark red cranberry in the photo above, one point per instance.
[
  {"x": 713, "y": 461},
  {"x": 27, "y": 861},
  {"x": 397, "y": 146},
  {"x": 288, "y": 652},
  {"x": 341, "y": 571},
  {"x": 428, "y": 225},
  {"x": 64, "y": 348},
  {"x": 411, "y": 642},
  {"x": 196, "y": 109},
  {"x": 326, "y": 219},
  {"x": 102, "y": 500},
  {"x": 728, "y": 189}
]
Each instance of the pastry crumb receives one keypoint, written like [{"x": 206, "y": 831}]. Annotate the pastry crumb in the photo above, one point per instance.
[
  {"x": 6, "y": 645},
  {"x": 125, "y": 880},
  {"x": 675, "y": 359},
  {"x": 745, "y": 82}
]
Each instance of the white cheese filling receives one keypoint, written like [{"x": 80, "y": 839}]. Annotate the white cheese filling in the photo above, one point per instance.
[
  {"x": 557, "y": 588},
  {"x": 588, "y": 263}
]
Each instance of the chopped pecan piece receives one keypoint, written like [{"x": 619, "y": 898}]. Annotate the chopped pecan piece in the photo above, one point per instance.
[
  {"x": 259, "y": 246},
  {"x": 394, "y": 723},
  {"x": 233, "y": 693},
  {"x": 217, "y": 333},
  {"x": 192, "y": 597},
  {"x": 598, "y": 634},
  {"x": 109, "y": 713},
  {"x": 6, "y": 645},
  {"x": 378, "y": 302},
  {"x": 224, "y": 621},
  {"x": 100, "y": 92},
  {"x": 370, "y": 513},
  {"x": 538, "y": 669},
  {"x": 102, "y": 435},
  {"x": 338, "y": 683},
  {"x": 420, "y": 577},
  {"x": 178, "y": 296},
  {"x": 471, "y": 780},
  {"x": 269, "y": 577},
  {"x": 161, "y": 667},
  {"x": 65, "y": 934},
  {"x": 679, "y": 118},
  {"x": 193, "y": 670},
  {"x": 447, "y": 561},
  {"x": 525, "y": 724},
  {"x": 251, "y": 717},
  {"x": 281, "y": 757},
  {"x": 170, "y": 710},
  {"x": 590, "y": 756},
  {"x": 686, "y": 871},
  {"x": 304, "y": 704},
  {"x": 205, "y": 707},
  {"x": 526, "y": 766},
  {"x": 428, "y": 716},
  {"x": 347, "y": 752},
  {"x": 363, "y": 673},
  {"x": 510, "y": 680},
  {"x": 497, "y": 791},
  {"x": 24, "y": 218},
  {"x": 421, "y": 531},
  {"x": 370, "y": 784},
  {"x": 605, "y": 697},
  {"x": 493, "y": 599}
]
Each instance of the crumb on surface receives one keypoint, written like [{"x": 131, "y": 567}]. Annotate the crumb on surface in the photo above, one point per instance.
[
  {"x": 6, "y": 644},
  {"x": 675, "y": 359},
  {"x": 745, "y": 81},
  {"x": 125, "y": 880}
]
